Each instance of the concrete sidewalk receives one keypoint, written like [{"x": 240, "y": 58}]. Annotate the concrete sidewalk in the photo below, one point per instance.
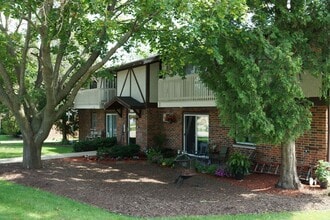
[{"x": 49, "y": 157}]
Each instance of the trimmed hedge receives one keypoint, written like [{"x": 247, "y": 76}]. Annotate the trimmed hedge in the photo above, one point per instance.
[
  {"x": 90, "y": 145},
  {"x": 124, "y": 150}
]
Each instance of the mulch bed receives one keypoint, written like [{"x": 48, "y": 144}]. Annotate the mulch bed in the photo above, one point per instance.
[{"x": 137, "y": 188}]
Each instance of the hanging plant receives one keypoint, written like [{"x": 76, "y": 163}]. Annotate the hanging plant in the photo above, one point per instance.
[{"x": 170, "y": 118}]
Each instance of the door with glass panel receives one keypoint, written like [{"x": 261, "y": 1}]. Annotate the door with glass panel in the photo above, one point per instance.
[
  {"x": 196, "y": 134},
  {"x": 131, "y": 128}
]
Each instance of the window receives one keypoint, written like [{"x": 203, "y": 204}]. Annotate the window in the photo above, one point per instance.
[
  {"x": 93, "y": 84},
  {"x": 93, "y": 120},
  {"x": 245, "y": 140},
  {"x": 111, "y": 125}
]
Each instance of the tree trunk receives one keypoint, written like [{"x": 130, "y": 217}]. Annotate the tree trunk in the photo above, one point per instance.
[
  {"x": 31, "y": 153},
  {"x": 64, "y": 130},
  {"x": 288, "y": 176}
]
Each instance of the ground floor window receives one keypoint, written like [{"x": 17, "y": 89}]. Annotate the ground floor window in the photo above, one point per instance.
[
  {"x": 93, "y": 120},
  {"x": 111, "y": 125},
  {"x": 244, "y": 139},
  {"x": 196, "y": 134}
]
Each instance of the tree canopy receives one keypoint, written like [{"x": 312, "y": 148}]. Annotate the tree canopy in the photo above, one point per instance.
[
  {"x": 251, "y": 54},
  {"x": 49, "y": 48}
]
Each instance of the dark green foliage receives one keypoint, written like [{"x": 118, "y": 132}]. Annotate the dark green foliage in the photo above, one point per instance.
[
  {"x": 205, "y": 168},
  {"x": 158, "y": 155},
  {"x": 154, "y": 155},
  {"x": 102, "y": 152},
  {"x": 90, "y": 145},
  {"x": 9, "y": 125},
  {"x": 238, "y": 163},
  {"x": 169, "y": 162},
  {"x": 159, "y": 140},
  {"x": 168, "y": 152},
  {"x": 123, "y": 151}
]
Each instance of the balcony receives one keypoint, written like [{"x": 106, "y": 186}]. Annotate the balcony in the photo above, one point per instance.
[
  {"x": 93, "y": 98},
  {"x": 188, "y": 92}
]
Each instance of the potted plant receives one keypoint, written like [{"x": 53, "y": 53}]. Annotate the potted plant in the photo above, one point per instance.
[
  {"x": 238, "y": 165},
  {"x": 322, "y": 173}
]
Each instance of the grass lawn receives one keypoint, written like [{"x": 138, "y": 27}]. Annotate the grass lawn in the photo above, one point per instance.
[
  {"x": 9, "y": 150},
  {"x": 20, "y": 202}
]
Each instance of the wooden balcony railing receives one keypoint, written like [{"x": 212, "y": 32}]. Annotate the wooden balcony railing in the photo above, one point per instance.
[
  {"x": 188, "y": 89},
  {"x": 93, "y": 98}
]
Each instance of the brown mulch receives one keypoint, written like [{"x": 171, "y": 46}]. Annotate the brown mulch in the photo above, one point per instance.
[{"x": 138, "y": 188}]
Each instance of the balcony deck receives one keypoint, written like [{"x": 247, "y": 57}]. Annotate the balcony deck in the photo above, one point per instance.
[
  {"x": 93, "y": 98},
  {"x": 188, "y": 92}
]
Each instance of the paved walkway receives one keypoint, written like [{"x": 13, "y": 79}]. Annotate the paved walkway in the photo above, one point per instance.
[{"x": 49, "y": 157}]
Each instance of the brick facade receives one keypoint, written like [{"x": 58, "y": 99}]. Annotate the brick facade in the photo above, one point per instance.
[{"x": 312, "y": 146}]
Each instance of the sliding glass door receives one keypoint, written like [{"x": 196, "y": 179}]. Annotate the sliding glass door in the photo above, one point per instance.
[{"x": 196, "y": 134}]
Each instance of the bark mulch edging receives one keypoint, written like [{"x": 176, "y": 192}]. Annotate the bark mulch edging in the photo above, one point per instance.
[{"x": 138, "y": 188}]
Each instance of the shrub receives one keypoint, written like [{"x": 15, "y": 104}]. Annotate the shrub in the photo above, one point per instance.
[
  {"x": 238, "y": 165},
  {"x": 124, "y": 150},
  {"x": 169, "y": 162},
  {"x": 154, "y": 155},
  {"x": 168, "y": 152},
  {"x": 90, "y": 145},
  {"x": 204, "y": 168},
  {"x": 222, "y": 172},
  {"x": 102, "y": 152}
]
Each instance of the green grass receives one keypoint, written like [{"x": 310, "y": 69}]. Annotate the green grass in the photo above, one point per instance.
[
  {"x": 7, "y": 138},
  {"x": 20, "y": 202},
  {"x": 10, "y": 150}
]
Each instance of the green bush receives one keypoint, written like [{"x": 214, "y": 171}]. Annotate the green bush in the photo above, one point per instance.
[
  {"x": 204, "y": 168},
  {"x": 102, "y": 152},
  {"x": 169, "y": 162},
  {"x": 168, "y": 152},
  {"x": 154, "y": 155},
  {"x": 124, "y": 150},
  {"x": 95, "y": 144},
  {"x": 238, "y": 164}
]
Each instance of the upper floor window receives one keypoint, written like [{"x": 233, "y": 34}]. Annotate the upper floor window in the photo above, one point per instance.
[{"x": 93, "y": 84}]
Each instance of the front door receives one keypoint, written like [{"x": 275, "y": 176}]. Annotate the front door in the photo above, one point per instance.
[
  {"x": 131, "y": 128},
  {"x": 196, "y": 134}
]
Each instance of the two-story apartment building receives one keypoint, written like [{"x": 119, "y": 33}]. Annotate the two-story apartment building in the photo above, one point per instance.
[{"x": 138, "y": 105}]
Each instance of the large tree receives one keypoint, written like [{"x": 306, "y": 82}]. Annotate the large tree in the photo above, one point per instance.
[
  {"x": 251, "y": 53},
  {"x": 49, "y": 48}
]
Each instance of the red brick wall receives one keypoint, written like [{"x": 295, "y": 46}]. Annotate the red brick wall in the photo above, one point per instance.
[
  {"x": 312, "y": 146},
  {"x": 218, "y": 133}
]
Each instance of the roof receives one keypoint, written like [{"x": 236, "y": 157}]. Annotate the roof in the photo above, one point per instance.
[
  {"x": 137, "y": 63},
  {"x": 120, "y": 102}
]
